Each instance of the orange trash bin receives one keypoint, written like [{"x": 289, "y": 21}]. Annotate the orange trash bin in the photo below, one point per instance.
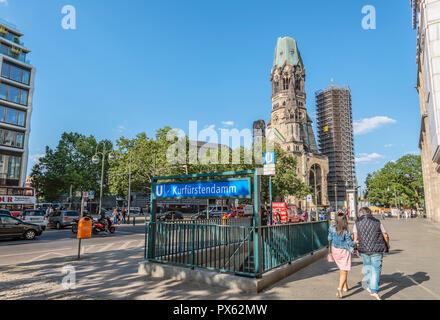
[{"x": 85, "y": 228}]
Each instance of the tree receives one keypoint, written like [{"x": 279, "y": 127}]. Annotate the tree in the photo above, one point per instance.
[
  {"x": 148, "y": 158},
  {"x": 69, "y": 164},
  {"x": 147, "y": 153},
  {"x": 286, "y": 182},
  {"x": 399, "y": 182}
]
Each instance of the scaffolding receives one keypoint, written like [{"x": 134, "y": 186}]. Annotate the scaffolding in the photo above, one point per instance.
[{"x": 335, "y": 136}]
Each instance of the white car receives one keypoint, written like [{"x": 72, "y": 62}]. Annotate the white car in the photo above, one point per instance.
[{"x": 35, "y": 217}]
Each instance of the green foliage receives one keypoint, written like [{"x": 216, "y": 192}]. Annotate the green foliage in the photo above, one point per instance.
[
  {"x": 143, "y": 149},
  {"x": 69, "y": 164},
  {"x": 397, "y": 183},
  {"x": 146, "y": 154},
  {"x": 286, "y": 182}
]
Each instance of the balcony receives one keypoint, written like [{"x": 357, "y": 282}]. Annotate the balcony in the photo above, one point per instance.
[
  {"x": 14, "y": 52},
  {"x": 10, "y": 37}
]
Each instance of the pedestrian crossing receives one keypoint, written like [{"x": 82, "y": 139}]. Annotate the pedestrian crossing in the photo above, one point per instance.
[{"x": 113, "y": 246}]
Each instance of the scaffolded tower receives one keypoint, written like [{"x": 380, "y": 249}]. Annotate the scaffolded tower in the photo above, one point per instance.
[{"x": 335, "y": 135}]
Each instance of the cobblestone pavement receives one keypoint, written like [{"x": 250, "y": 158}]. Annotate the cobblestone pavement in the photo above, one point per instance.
[{"x": 410, "y": 272}]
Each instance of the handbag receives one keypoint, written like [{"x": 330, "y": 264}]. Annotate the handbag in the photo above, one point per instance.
[{"x": 330, "y": 255}]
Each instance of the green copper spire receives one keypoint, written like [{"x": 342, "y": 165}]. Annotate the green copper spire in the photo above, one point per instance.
[{"x": 286, "y": 50}]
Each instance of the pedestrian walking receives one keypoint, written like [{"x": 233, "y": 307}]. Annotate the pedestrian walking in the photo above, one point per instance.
[
  {"x": 372, "y": 242},
  {"x": 115, "y": 216},
  {"x": 47, "y": 212},
  {"x": 119, "y": 217},
  {"x": 124, "y": 215},
  {"x": 264, "y": 218},
  {"x": 341, "y": 246}
]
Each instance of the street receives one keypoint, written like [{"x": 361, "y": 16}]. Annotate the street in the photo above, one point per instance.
[
  {"x": 61, "y": 243},
  {"x": 108, "y": 270}
]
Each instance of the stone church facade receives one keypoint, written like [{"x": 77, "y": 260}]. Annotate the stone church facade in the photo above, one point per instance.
[{"x": 291, "y": 127}]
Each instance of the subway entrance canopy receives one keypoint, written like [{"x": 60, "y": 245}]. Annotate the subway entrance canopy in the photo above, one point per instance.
[
  {"x": 230, "y": 188},
  {"x": 218, "y": 185},
  {"x": 241, "y": 246}
]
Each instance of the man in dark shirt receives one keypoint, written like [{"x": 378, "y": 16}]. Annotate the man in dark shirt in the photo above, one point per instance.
[{"x": 372, "y": 242}]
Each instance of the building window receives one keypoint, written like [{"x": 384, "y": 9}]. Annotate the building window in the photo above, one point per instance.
[
  {"x": 13, "y": 94},
  {"x": 7, "y": 50},
  {"x": 15, "y": 73},
  {"x": 12, "y": 116},
  {"x": 9, "y": 169},
  {"x": 11, "y": 138},
  {"x": 286, "y": 84}
]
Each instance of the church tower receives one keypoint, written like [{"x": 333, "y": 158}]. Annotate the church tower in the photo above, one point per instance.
[{"x": 290, "y": 126}]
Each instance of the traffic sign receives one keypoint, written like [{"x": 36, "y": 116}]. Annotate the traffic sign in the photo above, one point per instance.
[
  {"x": 309, "y": 198},
  {"x": 269, "y": 158},
  {"x": 269, "y": 171},
  {"x": 269, "y": 164},
  {"x": 91, "y": 194}
]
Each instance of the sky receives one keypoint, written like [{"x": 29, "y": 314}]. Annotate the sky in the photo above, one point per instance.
[{"x": 137, "y": 66}]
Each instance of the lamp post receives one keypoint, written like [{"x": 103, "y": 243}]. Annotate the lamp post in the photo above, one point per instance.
[
  {"x": 315, "y": 192},
  {"x": 96, "y": 159}
]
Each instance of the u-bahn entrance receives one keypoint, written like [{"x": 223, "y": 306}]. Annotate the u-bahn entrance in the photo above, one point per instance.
[{"x": 241, "y": 246}]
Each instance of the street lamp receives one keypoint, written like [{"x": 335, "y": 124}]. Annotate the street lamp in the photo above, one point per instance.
[
  {"x": 313, "y": 168},
  {"x": 95, "y": 159}
]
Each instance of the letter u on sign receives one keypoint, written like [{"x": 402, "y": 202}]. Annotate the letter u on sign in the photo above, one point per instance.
[
  {"x": 159, "y": 191},
  {"x": 269, "y": 158}
]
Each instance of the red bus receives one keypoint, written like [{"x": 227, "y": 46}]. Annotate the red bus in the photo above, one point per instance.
[{"x": 17, "y": 199}]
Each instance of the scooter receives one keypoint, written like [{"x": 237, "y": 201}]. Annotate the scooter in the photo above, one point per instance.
[{"x": 98, "y": 227}]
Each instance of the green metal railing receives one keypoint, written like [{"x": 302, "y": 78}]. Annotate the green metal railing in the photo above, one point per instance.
[
  {"x": 285, "y": 243},
  {"x": 217, "y": 247},
  {"x": 240, "y": 221},
  {"x": 229, "y": 247}
]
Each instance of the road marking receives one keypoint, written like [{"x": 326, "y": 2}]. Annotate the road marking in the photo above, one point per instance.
[
  {"x": 126, "y": 244},
  {"x": 125, "y": 232},
  {"x": 104, "y": 248},
  {"x": 33, "y": 252},
  {"x": 45, "y": 255},
  {"x": 421, "y": 286}
]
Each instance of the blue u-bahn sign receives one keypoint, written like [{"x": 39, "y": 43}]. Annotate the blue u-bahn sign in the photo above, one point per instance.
[{"x": 230, "y": 188}]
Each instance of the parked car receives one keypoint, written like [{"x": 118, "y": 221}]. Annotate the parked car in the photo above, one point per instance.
[
  {"x": 11, "y": 227},
  {"x": 35, "y": 217},
  {"x": 4, "y": 212},
  {"x": 199, "y": 216},
  {"x": 62, "y": 219},
  {"x": 170, "y": 216},
  {"x": 234, "y": 213}
]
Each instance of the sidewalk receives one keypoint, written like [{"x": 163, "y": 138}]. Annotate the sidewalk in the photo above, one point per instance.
[{"x": 410, "y": 272}]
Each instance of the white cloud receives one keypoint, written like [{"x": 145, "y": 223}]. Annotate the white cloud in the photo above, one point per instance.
[
  {"x": 367, "y": 158},
  {"x": 414, "y": 153},
  {"x": 366, "y": 125},
  {"x": 34, "y": 157},
  {"x": 121, "y": 128},
  {"x": 5, "y": 2},
  {"x": 212, "y": 126},
  {"x": 228, "y": 123},
  {"x": 388, "y": 145}
]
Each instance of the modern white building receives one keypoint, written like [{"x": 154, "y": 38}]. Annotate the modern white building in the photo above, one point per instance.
[
  {"x": 426, "y": 19},
  {"x": 16, "y": 91}
]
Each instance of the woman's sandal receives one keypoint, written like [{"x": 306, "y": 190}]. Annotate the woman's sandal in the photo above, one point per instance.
[{"x": 339, "y": 293}]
